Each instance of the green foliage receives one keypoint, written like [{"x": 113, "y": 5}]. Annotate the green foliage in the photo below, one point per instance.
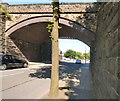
[
  {"x": 59, "y": 27},
  {"x": 55, "y": 18},
  {"x": 76, "y": 55},
  {"x": 7, "y": 15},
  {"x": 79, "y": 55},
  {"x": 49, "y": 27},
  {"x": 56, "y": 8},
  {"x": 70, "y": 53},
  {"x": 88, "y": 55}
]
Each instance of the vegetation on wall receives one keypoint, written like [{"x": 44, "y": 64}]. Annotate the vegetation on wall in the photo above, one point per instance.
[{"x": 4, "y": 12}]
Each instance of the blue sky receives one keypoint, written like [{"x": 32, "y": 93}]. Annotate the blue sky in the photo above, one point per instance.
[
  {"x": 64, "y": 44},
  {"x": 76, "y": 45},
  {"x": 42, "y": 1}
]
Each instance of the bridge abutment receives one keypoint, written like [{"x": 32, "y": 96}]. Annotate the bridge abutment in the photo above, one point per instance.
[{"x": 106, "y": 67}]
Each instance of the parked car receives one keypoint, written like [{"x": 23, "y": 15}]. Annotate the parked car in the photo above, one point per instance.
[
  {"x": 8, "y": 61},
  {"x": 78, "y": 61}
]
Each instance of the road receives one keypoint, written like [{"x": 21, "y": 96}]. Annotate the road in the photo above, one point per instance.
[
  {"x": 34, "y": 82},
  {"x": 18, "y": 84}
]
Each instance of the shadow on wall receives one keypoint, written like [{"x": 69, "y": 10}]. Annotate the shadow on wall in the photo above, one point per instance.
[
  {"x": 89, "y": 20},
  {"x": 68, "y": 72},
  {"x": 30, "y": 51}
]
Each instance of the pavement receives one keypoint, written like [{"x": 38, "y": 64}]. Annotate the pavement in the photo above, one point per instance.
[
  {"x": 78, "y": 80},
  {"x": 34, "y": 82}
]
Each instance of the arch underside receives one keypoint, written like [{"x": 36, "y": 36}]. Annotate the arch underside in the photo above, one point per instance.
[{"x": 33, "y": 32}]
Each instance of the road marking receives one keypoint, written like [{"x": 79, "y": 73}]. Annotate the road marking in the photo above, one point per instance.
[{"x": 11, "y": 74}]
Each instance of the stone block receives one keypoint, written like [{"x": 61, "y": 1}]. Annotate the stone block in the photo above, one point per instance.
[
  {"x": 119, "y": 13},
  {"x": 112, "y": 9},
  {"x": 107, "y": 47},
  {"x": 113, "y": 81},
  {"x": 110, "y": 67},
  {"x": 113, "y": 93},
  {"x": 119, "y": 34},
  {"x": 114, "y": 38},
  {"x": 114, "y": 23},
  {"x": 114, "y": 51},
  {"x": 118, "y": 90},
  {"x": 118, "y": 59},
  {"x": 107, "y": 15}
]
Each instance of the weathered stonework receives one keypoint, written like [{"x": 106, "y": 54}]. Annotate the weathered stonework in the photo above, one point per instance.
[
  {"x": 20, "y": 17},
  {"x": 47, "y": 8},
  {"x": 105, "y": 64},
  {"x": 2, "y": 30},
  {"x": 29, "y": 51},
  {"x": 74, "y": 12}
]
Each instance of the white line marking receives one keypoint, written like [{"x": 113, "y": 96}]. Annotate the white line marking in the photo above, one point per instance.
[{"x": 11, "y": 74}]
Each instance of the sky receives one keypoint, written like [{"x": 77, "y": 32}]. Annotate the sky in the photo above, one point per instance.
[
  {"x": 42, "y": 1},
  {"x": 76, "y": 45},
  {"x": 64, "y": 44}
]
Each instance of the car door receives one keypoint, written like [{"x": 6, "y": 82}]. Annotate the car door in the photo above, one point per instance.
[
  {"x": 15, "y": 61},
  {"x": 18, "y": 62},
  {"x": 12, "y": 61}
]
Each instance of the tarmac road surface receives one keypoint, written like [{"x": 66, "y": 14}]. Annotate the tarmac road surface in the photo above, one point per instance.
[{"x": 18, "y": 84}]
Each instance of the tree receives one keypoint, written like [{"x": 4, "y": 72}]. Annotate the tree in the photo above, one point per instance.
[
  {"x": 79, "y": 55},
  {"x": 70, "y": 54},
  {"x": 54, "y": 92},
  {"x": 88, "y": 55}
]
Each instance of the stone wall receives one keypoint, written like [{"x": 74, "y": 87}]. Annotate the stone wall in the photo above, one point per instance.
[
  {"x": 45, "y": 51},
  {"x": 106, "y": 61},
  {"x": 2, "y": 30},
  {"x": 29, "y": 51}
]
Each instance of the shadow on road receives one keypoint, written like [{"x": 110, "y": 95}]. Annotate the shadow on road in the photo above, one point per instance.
[
  {"x": 71, "y": 74},
  {"x": 66, "y": 70},
  {"x": 14, "y": 68}
]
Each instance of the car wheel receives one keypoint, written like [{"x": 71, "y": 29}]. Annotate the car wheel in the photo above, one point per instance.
[
  {"x": 4, "y": 66},
  {"x": 25, "y": 65}
]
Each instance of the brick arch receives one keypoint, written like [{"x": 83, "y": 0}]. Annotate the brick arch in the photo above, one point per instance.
[{"x": 69, "y": 28}]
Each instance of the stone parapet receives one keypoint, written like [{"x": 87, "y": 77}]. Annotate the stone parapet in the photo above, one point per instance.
[{"x": 47, "y": 8}]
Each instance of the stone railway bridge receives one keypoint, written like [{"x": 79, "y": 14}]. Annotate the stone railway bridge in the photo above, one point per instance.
[
  {"x": 26, "y": 35},
  {"x": 29, "y": 24}
]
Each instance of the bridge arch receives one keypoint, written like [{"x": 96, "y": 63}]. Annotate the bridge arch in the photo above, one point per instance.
[
  {"x": 31, "y": 38},
  {"x": 70, "y": 29}
]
